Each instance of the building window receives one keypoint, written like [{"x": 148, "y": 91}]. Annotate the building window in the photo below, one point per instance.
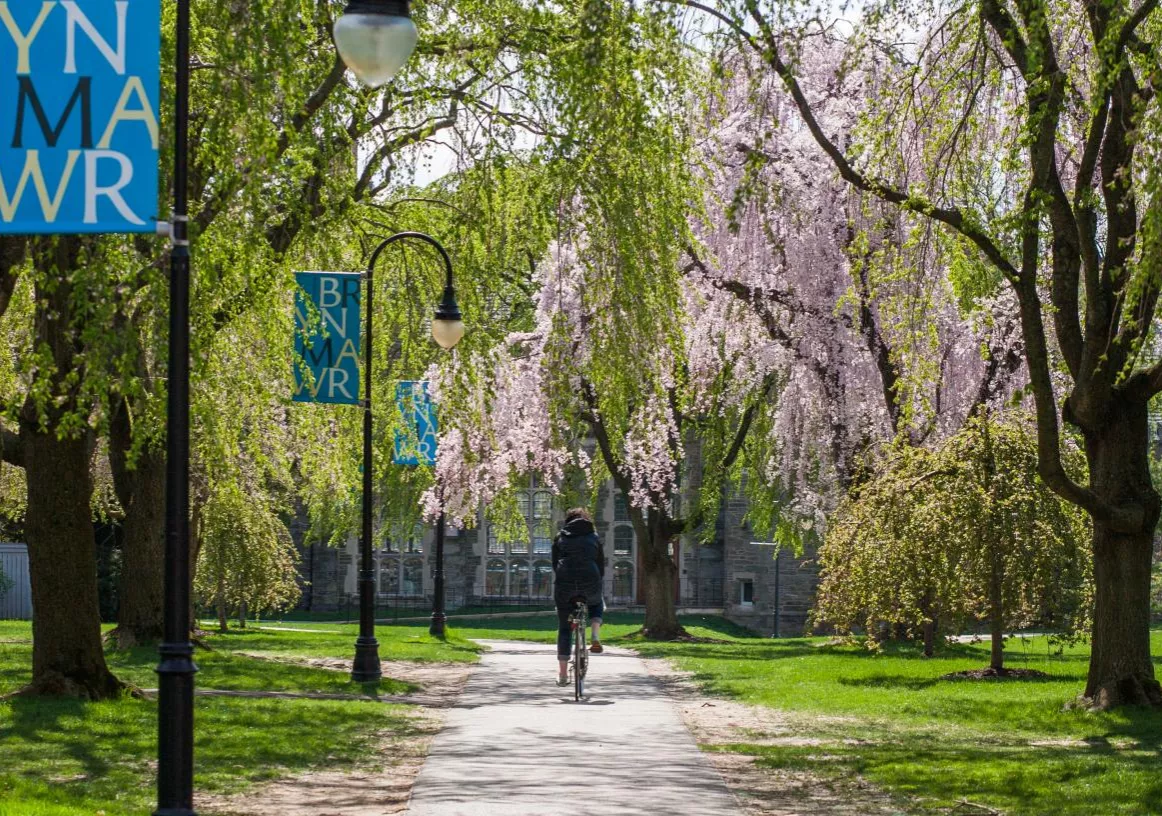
[
  {"x": 746, "y": 593},
  {"x": 495, "y": 547},
  {"x": 543, "y": 536},
  {"x": 620, "y": 507},
  {"x": 543, "y": 505},
  {"x": 623, "y": 580},
  {"x": 389, "y": 577},
  {"x": 518, "y": 578},
  {"x": 494, "y": 577},
  {"x": 415, "y": 542},
  {"x": 622, "y": 540},
  {"x": 542, "y": 579},
  {"x": 413, "y": 577},
  {"x": 508, "y": 575}
]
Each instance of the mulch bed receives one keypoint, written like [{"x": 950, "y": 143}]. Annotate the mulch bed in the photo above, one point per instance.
[{"x": 990, "y": 673}]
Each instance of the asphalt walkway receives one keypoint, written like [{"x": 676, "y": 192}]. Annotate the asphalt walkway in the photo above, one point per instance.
[{"x": 516, "y": 745}]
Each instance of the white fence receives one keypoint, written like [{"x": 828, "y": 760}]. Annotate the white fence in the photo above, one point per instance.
[{"x": 17, "y": 601}]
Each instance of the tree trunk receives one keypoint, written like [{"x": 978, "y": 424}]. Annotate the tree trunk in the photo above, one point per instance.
[
  {"x": 929, "y": 638},
  {"x": 67, "y": 656},
  {"x": 1120, "y": 668},
  {"x": 242, "y": 615},
  {"x": 1121, "y": 671},
  {"x": 928, "y": 627},
  {"x": 996, "y": 609},
  {"x": 658, "y": 580},
  {"x": 140, "y": 488},
  {"x": 223, "y": 623}
]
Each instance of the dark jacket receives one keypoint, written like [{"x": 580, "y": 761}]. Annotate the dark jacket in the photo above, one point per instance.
[{"x": 578, "y": 562}]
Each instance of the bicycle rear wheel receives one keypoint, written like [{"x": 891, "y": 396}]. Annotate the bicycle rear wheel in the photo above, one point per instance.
[{"x": 579, "y": 660}]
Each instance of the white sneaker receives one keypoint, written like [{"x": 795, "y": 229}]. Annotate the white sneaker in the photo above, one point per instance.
[{"x": 562, "y": 681}]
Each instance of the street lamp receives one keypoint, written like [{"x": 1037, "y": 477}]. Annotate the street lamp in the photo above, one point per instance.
[
  {"x": 175, "y": 671},
  {"x": 375, "y": 38},
  {"x": 447, "y": 329}
]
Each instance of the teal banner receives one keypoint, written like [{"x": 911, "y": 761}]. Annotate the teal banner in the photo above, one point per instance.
[
  {"x": 327, "y": 337},
  {"x": 79, "y": 96},
  {"x": 415, "y": 442}
]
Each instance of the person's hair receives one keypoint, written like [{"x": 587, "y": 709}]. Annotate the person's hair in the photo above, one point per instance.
[{"x": 576, "y": 513}]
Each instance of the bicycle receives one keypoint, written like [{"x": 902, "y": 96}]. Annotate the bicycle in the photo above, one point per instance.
[{"x": 579, "y": 622}]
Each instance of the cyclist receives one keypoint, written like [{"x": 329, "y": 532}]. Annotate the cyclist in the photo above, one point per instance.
[{"x": 578, "y": 570}]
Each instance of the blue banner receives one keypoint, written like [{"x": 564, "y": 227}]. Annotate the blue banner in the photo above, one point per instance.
[
  {"x": 79, "y": 95},
  {"x": 415, "y": 443},
  {"x": 327, "y": 338}
]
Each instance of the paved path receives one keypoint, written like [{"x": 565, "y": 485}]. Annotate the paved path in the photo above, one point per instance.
[{"x": 516, "y": 745}]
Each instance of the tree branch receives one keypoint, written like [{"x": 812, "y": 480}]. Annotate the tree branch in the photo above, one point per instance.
[
  {"x": 601, "y": 434},
  {"x": 950, "y": 216}
]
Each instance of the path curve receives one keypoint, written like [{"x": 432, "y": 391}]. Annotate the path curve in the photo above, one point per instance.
[{"x": 516, "y": 745}]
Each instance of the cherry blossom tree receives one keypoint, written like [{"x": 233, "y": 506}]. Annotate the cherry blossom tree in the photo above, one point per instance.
[
  {"x": 887, "y": 336},
  {"x": 1022, "y": 131},
  {"x": 545, "y": 402}
]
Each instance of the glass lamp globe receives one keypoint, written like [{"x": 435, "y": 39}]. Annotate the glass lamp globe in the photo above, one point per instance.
[
  {"x": 375, "y": 39},
  {"x": 447, "y": 332}
]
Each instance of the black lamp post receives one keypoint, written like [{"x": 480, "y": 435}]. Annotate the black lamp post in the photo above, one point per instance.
[
  {"x": 375, "y": 38},
  {"x": 175, "y": 713},
  {"x": 447, "y": 329}
]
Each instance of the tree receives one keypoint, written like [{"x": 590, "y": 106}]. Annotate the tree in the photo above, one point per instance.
[
  {"x": 321, "y": 155},
  {"x": 886, "y": 339},
  {"x": 954, "y": 535},
  {"x": 544, "y": 402},
  {"x": 247, "y": 560},
  {"x": 1023, "y": 131},
  {"x": 283, "y": 148}
]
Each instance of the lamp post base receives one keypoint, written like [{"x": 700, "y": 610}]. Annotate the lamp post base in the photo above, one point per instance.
[
  {"x": 439, "y": 620},
  {"x": 366, "y": 668}
]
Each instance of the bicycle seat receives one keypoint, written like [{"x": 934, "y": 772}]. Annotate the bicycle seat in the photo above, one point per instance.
[{"x": 579, "y": 599}]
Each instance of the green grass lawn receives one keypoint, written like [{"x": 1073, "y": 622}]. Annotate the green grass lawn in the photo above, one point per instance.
[
  {"x": 66, "y": 758},
  {"x": 1009, "y": 744}
]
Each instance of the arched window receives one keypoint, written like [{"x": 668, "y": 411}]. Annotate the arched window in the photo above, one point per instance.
[
  {"x": 494, "y": 578},
  {"x": 622, "y": 540},
  {"x": 389, "y": 577},
  {"x": 623, "y": 580},
  {"x": 413, "y": 577},
  {"x": 518, "y": 547},
  {"x": 518, "y": 578},
  {"x": 542, "y": 579}
]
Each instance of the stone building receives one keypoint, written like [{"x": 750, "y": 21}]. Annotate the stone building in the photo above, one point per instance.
[{"x": 734, "y": 574}]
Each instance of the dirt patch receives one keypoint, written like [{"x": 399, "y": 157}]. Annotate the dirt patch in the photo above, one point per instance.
[
  {"x": 385, "y": 787},
  {"x": 989, "y": 673},
  {"x": 682, "y": 637},
  {"x": 764, "y": 791}
]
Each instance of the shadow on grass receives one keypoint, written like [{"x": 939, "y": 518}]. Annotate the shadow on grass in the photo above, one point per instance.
[
  {"x": 48, "y": 722},
  {"x": 99, "y": 756},
  {"x": 1081, "y": 777}
]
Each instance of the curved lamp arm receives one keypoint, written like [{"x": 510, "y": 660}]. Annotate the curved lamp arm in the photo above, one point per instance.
[{"x": 447, "y": 324}]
